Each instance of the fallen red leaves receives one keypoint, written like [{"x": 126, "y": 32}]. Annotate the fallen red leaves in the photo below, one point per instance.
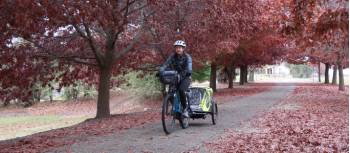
[
  {"x": 119, "y": 103},
  {"x": 312, "y": 119},
  {"x": 66, "y": 136},
  {"x": 227, "y": 95}
]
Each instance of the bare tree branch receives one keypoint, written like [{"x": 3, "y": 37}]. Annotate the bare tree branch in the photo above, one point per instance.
[
  {"x": 78, "y": 61},
  {"x": 76, "y": 27},
  {"x": 136, "y": 38},
  {"x": 157, "y": 45},
  {"x": 99, "y": 56},
  {"x": 125, "y": 19},
  {"x": 127, "y": 5},
  {"x": 130, "y": 46},
  {"x": 48, "y": 54},
  {"x": 136, "y": 9}
]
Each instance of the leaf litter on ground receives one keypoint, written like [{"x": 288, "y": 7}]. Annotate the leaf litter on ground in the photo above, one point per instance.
[{"x": 317, "y": 122}]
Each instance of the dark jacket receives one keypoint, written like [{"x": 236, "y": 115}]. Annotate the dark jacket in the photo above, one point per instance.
[{"x": 182, "y": 64}]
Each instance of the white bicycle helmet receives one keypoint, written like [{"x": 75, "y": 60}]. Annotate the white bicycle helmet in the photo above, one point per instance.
[{"x": 180, "y": 43}]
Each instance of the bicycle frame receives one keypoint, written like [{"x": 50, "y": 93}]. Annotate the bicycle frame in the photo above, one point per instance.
[
  {"x": 177, "y": 103},
  {"x": 175, "y": 99},
  {"x": 172, "y": 108}
]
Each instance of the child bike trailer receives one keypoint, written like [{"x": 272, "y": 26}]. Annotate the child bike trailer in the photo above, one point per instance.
[{"x": 201, "y": 103}]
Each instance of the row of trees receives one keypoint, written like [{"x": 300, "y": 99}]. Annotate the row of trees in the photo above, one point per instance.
[
  {"x": 91, "y": 41},
  {"x": 319, "y": 30}
]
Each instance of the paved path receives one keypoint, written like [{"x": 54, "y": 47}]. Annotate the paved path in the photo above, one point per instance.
[{"x": 151, "y": 138}]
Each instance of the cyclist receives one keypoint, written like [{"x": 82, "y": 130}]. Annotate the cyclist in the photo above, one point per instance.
[{"x": 182, "y": 63}]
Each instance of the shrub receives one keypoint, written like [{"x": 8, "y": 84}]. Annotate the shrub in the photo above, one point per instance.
[{"x": 145, "y": 85}]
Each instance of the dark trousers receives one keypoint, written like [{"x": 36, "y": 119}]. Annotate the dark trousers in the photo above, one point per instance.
[{"x": 183, "y": 87}]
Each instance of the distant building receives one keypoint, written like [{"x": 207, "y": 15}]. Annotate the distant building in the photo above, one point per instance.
[{"x": 280, "y": 70}]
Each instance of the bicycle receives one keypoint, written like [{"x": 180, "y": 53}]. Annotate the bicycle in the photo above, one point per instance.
[
  {"x": 199, "y": 102},
  {"x": 172, "y": 108}
]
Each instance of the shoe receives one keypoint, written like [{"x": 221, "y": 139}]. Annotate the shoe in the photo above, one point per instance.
[{"x": 185, "y": 114}]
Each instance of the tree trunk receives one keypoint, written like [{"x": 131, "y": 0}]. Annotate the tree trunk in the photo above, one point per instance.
[
  {"x": 6, "y": 103},
  {"x": 75, "y": 92},
  {"x": 251, "y": 75},
  {"x": 245, "y": 74},
  {"x": 223, "y": 75},
  {"x": 326, "y": 77},
  {"x": 319, "y": 71},
  {"x": 213, "y": 76},
  {"x": 36, "y": 95},
  {"x": 334, "y": 79},
  {"x": 241, "y": 71},
  {"x": 234, "y": 73},
  {"x": 35, "y": 91},
  {"x": 51, "y": 92},
  {"x": 341, "y": 78},
  {"x": 103, "y": 93},
  {"x": 51, "y": 95},
  {"x": 230, "y": 76}
]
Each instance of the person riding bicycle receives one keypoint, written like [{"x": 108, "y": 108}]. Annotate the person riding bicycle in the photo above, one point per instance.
[{"x": 182, "y": 63}]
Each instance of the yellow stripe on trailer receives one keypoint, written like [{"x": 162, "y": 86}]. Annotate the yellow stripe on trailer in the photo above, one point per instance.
[{"x": 206, "y": 101}]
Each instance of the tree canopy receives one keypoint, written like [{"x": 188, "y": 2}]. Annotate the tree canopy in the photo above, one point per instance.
[{"x": 92, "y": 41}]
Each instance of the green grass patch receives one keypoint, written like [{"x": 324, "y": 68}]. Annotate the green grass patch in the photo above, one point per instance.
[
  {"x": 13, "y": 127},
  {"x": 28, "y": 119}
]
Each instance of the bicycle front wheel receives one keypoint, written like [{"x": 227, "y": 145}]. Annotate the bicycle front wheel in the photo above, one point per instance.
[
  {"x": 184, "y": 122},
  {"x": 168, "y": 116}
]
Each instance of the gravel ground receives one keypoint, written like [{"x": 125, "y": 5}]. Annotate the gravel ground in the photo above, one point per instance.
[{"x": 151, "y": 138}]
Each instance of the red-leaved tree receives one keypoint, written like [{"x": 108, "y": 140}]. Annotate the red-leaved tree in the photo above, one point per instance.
[{"x": 91, "y": 37}]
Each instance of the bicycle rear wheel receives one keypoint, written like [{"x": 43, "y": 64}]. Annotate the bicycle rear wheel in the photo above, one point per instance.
[
  {"x": 168, "y": 116},
  {"x": 214, "y": 113}
]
